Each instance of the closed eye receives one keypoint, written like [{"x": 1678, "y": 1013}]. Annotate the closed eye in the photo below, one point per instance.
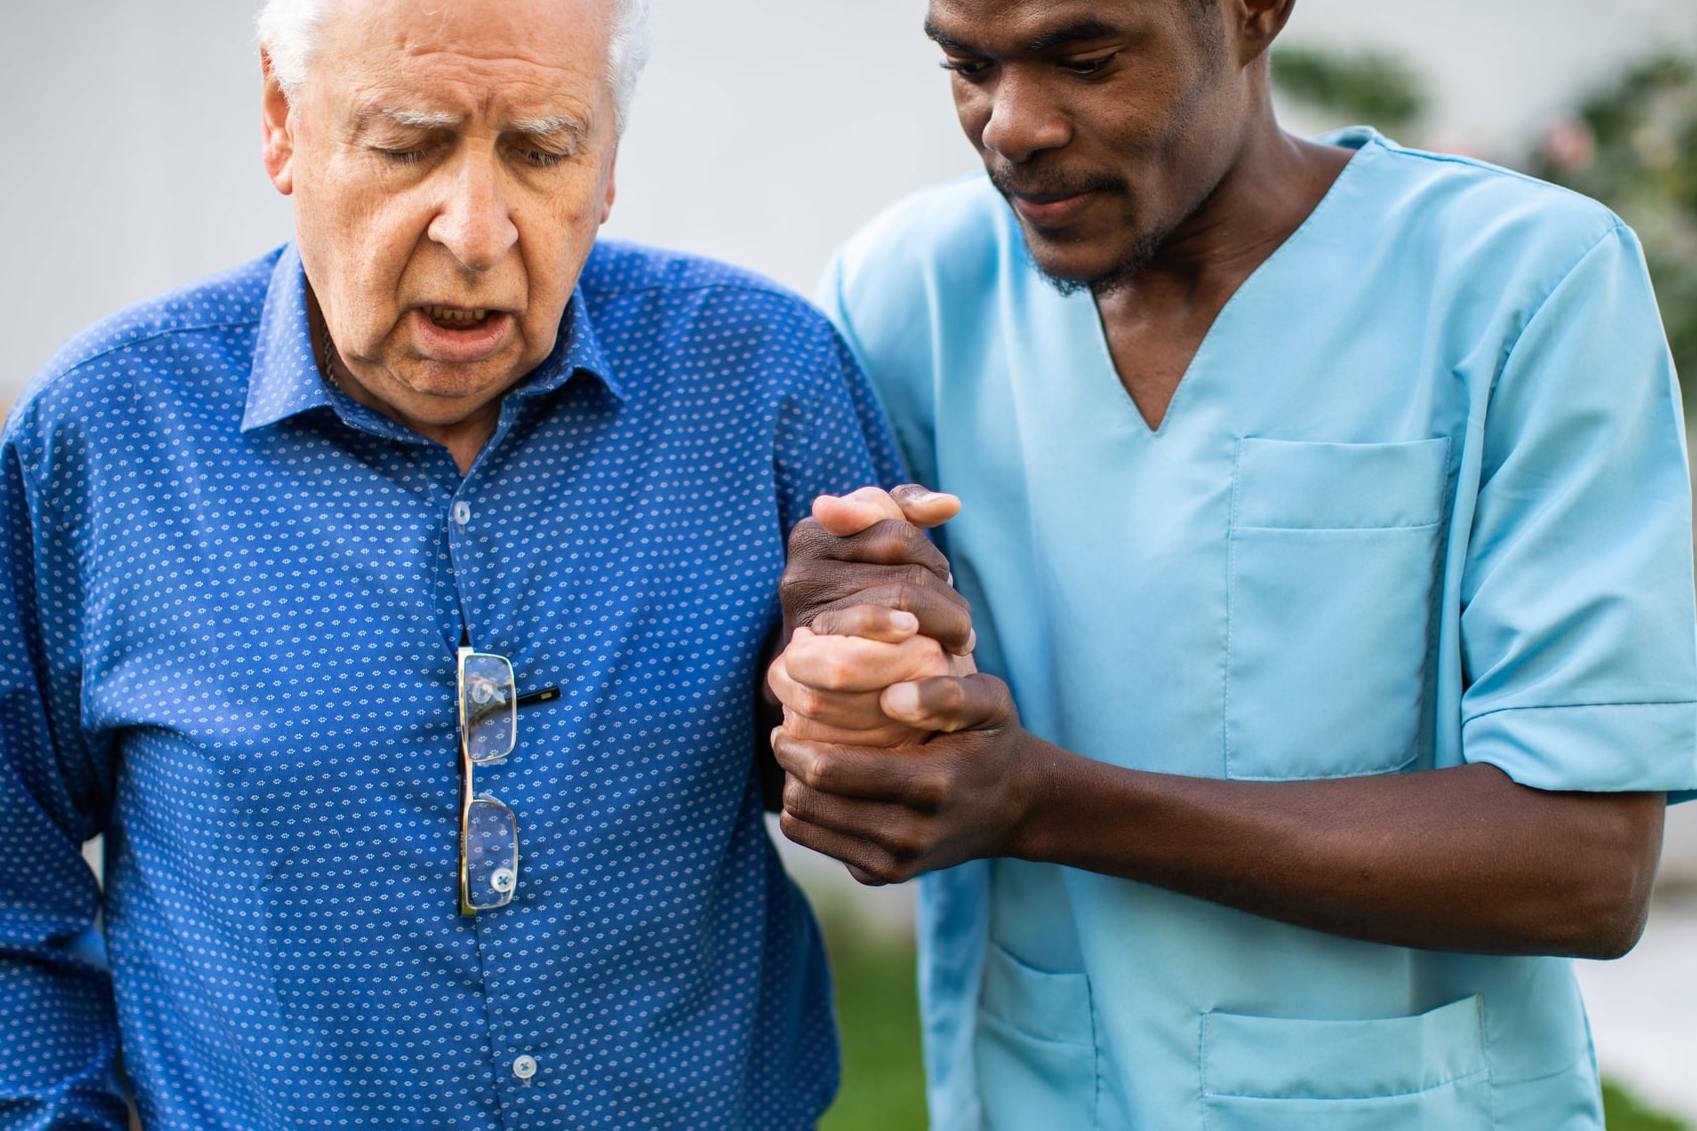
[
  {"x": 539, "y": 158},
  {"x": 972, "y": 70},
  {"x": 401, "y": 156},
  {"x": 1090, "y": 66}
]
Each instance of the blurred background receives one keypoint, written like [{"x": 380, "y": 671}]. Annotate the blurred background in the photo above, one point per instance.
[{"x": 766, "y": 133}]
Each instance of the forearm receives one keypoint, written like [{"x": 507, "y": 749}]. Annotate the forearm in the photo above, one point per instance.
[{"x": 1457, "y": 859}]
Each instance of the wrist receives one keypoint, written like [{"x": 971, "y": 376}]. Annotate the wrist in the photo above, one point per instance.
[{"x": 1037, "y": 783}]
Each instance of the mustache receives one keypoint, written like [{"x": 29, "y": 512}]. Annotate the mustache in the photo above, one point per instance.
[{"x": 1054, "y": 186}]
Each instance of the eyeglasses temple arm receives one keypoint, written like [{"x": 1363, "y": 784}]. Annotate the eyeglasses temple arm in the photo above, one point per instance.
[{"x": 543, "y": 695}]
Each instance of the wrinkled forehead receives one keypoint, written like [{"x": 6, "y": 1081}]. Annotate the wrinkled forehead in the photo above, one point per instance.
[{"x": 470, "y": 51}]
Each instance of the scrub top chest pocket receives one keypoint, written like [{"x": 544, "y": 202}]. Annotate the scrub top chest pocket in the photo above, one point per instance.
[{"x": 1332, "y": 568}]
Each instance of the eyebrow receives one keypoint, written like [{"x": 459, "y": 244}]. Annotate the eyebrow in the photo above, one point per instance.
[
  {"x": 420, "y": 119},
  {"x": 552, "y": 126},
  {"x": 1083, "y": 30}
]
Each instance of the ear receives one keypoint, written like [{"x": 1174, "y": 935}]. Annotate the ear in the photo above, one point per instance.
[
  {"x": 277, "y": 141},
  {"x": 1259, "y": 23},
  {"x": 612, "y": 184}
]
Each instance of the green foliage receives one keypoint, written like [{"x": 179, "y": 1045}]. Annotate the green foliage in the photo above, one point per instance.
[
  {"x": 1373, "y": 87},
  {"x": 1633, "y": 146},
  {"x": 1621, "y": 1112}
]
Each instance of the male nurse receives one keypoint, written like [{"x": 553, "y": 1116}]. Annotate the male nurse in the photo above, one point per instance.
[{"x": 1326, "y": 516}]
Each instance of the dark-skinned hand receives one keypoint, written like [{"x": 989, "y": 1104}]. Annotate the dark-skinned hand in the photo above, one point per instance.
[
  {"x": 890, "y": 813},
  {"x": 870, "y": 548},
  {"x": 947, "y": 785}
]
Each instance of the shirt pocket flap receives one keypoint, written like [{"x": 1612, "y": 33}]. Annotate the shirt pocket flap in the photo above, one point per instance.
[
  {"x": 1308, "y": 485},
  {"x": 1280, "y": 1058},
  {"x": 1050, "y": 1007}
]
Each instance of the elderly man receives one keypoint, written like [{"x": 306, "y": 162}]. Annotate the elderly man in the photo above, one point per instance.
[
  {"x": 395, "y": 606},
  {"x": 1326, "y": 513}
]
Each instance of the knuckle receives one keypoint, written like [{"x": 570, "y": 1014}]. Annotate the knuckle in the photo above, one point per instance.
[
  {"x": 817, "y": 775},
  {"x": 826, "y": 622},
  {"x": 807, "y": 701},
  {"x": 881, "y": 866},
  {"x": 933, "y": 661},
  {"x": 903, "y": 843},
  {"x": 791, "y": 826},
  {"x": 866, "y": 877},
  {"x": 837, "y": 673},
  {"x": 899, "y": 871},
  {"x": 909, "y": 539},
  {"x": 913, "y": 586},
  {"x": 918, "y": 576},
  {"x": 929, "y": 793},
  {"x": 797, "y": 801},
  {"x": 807, "y": 537},
  {"x": 802, "y": 644},
  {"x": 794, "y": 590}
]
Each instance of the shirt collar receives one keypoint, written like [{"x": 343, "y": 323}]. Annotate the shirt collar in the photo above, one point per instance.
[{"x": 285, "y": 380}]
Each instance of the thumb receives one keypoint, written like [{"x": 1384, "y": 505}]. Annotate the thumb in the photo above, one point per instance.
[
  {"x": 924, "y": 507},
  {"x": 949, "y": 703},
  {"x": 845, "y": 515}
]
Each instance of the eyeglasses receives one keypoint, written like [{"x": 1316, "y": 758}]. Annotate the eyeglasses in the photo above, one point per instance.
[{"x": 489, "y": 832}]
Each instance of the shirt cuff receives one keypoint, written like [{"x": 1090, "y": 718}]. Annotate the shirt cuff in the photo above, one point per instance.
[{"x": 1602, "y": 748}]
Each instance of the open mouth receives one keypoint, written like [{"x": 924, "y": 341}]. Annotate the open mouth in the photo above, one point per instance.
[
  {"x": 463, "y": 334},
  {"x": 457, "y": 318}
]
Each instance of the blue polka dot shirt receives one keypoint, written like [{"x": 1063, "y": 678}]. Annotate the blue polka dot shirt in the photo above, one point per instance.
[{"x": 227, "y": 642}]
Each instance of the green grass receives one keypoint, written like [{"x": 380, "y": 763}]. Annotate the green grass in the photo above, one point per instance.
[
  {"x": 878, "y": 1011},
  {"x": 883, "y": 1080}
]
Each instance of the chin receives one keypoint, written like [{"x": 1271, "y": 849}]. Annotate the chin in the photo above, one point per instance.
[{"x": 1078, "y": 264}]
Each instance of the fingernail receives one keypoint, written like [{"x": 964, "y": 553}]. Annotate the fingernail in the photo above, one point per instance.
[
  {"x": 904, "y": 621},
  {"x": 971, "y": 642},
  {"x": 902, "y": 698}
]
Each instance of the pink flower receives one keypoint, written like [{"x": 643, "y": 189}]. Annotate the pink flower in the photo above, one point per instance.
[{"x": 1570, "y": 146}]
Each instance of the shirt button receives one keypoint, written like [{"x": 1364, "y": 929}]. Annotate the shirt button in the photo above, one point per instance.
[
  {"x": 462, "y": 512},
  {"x": 524, "y": 1067}
]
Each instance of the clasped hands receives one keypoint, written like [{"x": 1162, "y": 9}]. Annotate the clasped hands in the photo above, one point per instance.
[{"x": 899, "y": 756}]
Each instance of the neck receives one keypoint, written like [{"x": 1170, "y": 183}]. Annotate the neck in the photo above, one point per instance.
[
  {"x": 464, "y": 439},
  {"x": 1270, "y": 187}
]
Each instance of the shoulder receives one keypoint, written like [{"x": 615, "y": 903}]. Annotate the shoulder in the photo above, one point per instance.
[
  {"x": 926, "y": 270},
  {"x": 138, "y": 353},
  {"x": 958, "y": 233},
  {"x": 704, "y": 315},
  {"x": 1510, "y": 227},
  {"x": 675, "y": 281}
]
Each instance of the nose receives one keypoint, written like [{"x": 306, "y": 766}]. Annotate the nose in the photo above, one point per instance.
[
  {"x": 474, "y": 220},
  {"x": 1023, "y": 121}
]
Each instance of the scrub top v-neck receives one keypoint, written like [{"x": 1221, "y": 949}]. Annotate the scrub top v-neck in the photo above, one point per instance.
[{"x": 1420, "y": 500}]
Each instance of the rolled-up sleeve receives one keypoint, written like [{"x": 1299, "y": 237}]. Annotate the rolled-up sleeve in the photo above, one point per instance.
[{"x": 1578, "y": 632}]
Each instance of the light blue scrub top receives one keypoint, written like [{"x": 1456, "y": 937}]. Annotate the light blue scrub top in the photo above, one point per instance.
[{"x": 1421, "y": 500}]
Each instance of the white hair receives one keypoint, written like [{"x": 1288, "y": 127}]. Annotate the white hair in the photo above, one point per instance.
[{"x": 289, "y": 27}]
